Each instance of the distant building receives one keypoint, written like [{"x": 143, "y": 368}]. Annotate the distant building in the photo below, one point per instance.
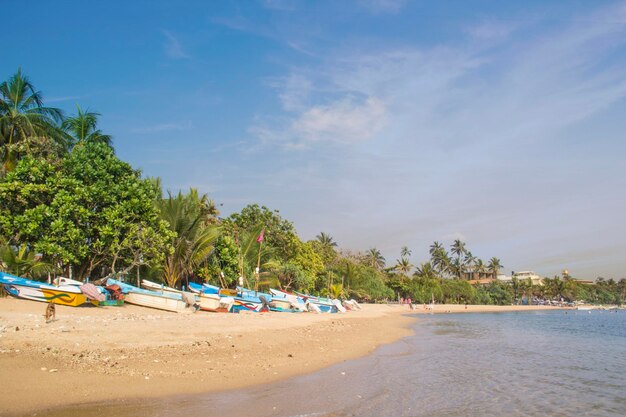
[
  {"x": 505, "y": 278},
  {"x": 526, "y": 275},
  {"x": 482, "y": 281}
]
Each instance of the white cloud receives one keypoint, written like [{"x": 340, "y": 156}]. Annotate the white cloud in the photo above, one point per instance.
[
  {"x": 463, "y": 139},
  {"x": 172, "y": 47},
  {"x": 343, "y": 121}
]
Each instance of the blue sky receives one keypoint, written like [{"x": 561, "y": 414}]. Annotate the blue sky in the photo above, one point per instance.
[{"x": 381, "y": 122}]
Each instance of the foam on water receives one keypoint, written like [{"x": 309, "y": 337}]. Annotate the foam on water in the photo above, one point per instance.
[{"x": 515, "y": 364}]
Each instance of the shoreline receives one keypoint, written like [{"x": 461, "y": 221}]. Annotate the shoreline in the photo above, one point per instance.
[{"x": 91, "y": 355}]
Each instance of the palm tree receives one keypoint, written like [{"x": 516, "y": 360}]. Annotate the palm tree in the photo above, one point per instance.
[
  {"x": 440, "y": 260},
  {"x": 405, "y": 252},
  {"x": 194, "y": 235},
  {"x": 403, "y": 265},
  {"x": 435, "y": 248},
  {"x": 494, "y": 267},
  {"x": 480, "y": 268},
  {"x": 326, "y": 240},
  {"x": 26, "y": 126},
  {"x": 375, "y": 259},
  {"x": 82, "y": 128},
  {"x": 22, "y": 261},
  {"x": 470, "y": 260},
  {"x": 458, "y": 249},
  {"x": 426, "y": 270}
]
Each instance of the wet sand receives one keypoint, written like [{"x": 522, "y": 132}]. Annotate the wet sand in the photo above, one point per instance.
[{"x": 122, "y": 354}]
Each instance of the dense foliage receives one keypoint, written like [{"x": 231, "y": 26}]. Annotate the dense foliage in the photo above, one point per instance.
[{"x": 68, "y": 204}]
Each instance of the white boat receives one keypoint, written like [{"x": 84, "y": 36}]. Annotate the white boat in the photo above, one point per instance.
[
  {"x": 216, "y": 303},
  {"x": 153, "y": 299},
  {"x": 157, "y": 301},
  {"x": 153, "y": 286},
  {"x": 294, "y": 301}
]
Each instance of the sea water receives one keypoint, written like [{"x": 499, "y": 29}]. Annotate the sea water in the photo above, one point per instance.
[{"x": 556, "y": 363}]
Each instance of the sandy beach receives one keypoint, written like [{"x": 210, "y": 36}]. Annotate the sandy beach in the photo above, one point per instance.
[{"x": 93, "y": 354}]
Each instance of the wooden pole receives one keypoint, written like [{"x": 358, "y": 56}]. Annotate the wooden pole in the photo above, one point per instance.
[{"x": 258, "y": 269}]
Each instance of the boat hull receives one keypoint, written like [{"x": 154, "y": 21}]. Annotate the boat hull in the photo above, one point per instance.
[
  {"x": 243, "y": 304},
  {"x": 62, "y": 295},
  {"x": 215, "y": 303},
  {"x": 155, "y": 301}
]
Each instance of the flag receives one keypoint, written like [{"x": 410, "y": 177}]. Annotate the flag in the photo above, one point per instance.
[{"x": 260, "y": 238}]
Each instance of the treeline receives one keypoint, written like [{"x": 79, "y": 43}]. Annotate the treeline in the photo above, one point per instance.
[{"x": 69, "y": 205}]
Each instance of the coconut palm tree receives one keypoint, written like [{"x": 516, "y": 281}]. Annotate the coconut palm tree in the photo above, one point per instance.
[
  {"x": 458, "y": 249},
  {"x": 375, "y": 259},
  {"x": 405, "y": 252},
  {"x": 435, "y": 248},
  {"x": 440, "y": 260},
  {"x": 326, "y": 240},
  {"x": 194, "y": 235},
  {"x": 22, "y": 261},
  {"x": 494, "y": 267},
  {"x": 480, "y": 267},
  {"x": 470, "y": 261},
  {"x": 82, "y": 128},
  {"x": 26, "y": 126},
  {"x": 426, "y": 270},
  {"x": 403, "y": 265}
]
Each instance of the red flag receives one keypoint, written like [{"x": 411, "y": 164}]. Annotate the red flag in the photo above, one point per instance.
[{"x": 260, "y": 238}]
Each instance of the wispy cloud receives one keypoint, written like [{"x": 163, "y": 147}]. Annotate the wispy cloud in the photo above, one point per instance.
[
  {"x": 163, "y": 127},
  {"x": 64, "y": 98},
  {"x": 172, "y": 47},
  {"x": 458, "y": 133}
]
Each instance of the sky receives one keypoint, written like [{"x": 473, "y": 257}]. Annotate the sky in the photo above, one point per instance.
[{"x": 384, "y": 123}]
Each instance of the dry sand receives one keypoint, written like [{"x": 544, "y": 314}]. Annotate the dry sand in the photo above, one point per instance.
[{"x": 91, "y": 354}]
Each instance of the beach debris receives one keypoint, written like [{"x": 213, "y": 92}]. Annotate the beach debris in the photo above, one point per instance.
[
  {"x": 147, "y": 377},
  {"x": 17, "y": 329},
  {"x": 53, "y": 370},
  {"x": 44, "y": 369},
  {"x": 343, "y": 373},
  {"x": 290, "y": 356}
]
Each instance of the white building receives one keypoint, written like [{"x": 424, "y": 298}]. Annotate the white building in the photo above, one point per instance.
[{"x": 526, "y": 275}]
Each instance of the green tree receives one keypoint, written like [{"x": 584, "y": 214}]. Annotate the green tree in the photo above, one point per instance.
[
  {"x": 194, "y": 235},
  {"x": 278, "y": 234},
  {"x": 23, "y": 262},
  {"x": 458, "y": 249},
  {"x": 375, "y": 259},
  {"x": 426, "y": 271},
  {"x": 494, "y": 267},
  {"x": 403, "y": 266},
  {"x": 26, "y": 125},
  {"x": 326, "y": 240},
  {"x": 82, "y": 128},
  {"x": 90, "y": 210}
]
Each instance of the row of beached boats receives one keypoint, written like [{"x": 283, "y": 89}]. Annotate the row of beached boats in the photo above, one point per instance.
[{"x": 195, "y": 297}]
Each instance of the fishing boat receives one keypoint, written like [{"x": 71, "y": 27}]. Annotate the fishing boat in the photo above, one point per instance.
[
  {"x": 203, "y": 288},
  {"x": 160, "y": 288},
  {"x": 326, "y": 305},
  {"x": 250, "y": 303},
  {"x": 216, "y": 303},
  {"x": 152, "y": 299},
  {"x": 210, "y": 298},
  {"x": 281, "y": 298},
  {"x": 69, "y": 295}
]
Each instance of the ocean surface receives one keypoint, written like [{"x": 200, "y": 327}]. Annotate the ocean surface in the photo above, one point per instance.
[{"x": 553, "y": 363}]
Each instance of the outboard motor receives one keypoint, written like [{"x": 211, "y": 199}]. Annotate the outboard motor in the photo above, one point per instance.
[{"x": 265, "y": 304}]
